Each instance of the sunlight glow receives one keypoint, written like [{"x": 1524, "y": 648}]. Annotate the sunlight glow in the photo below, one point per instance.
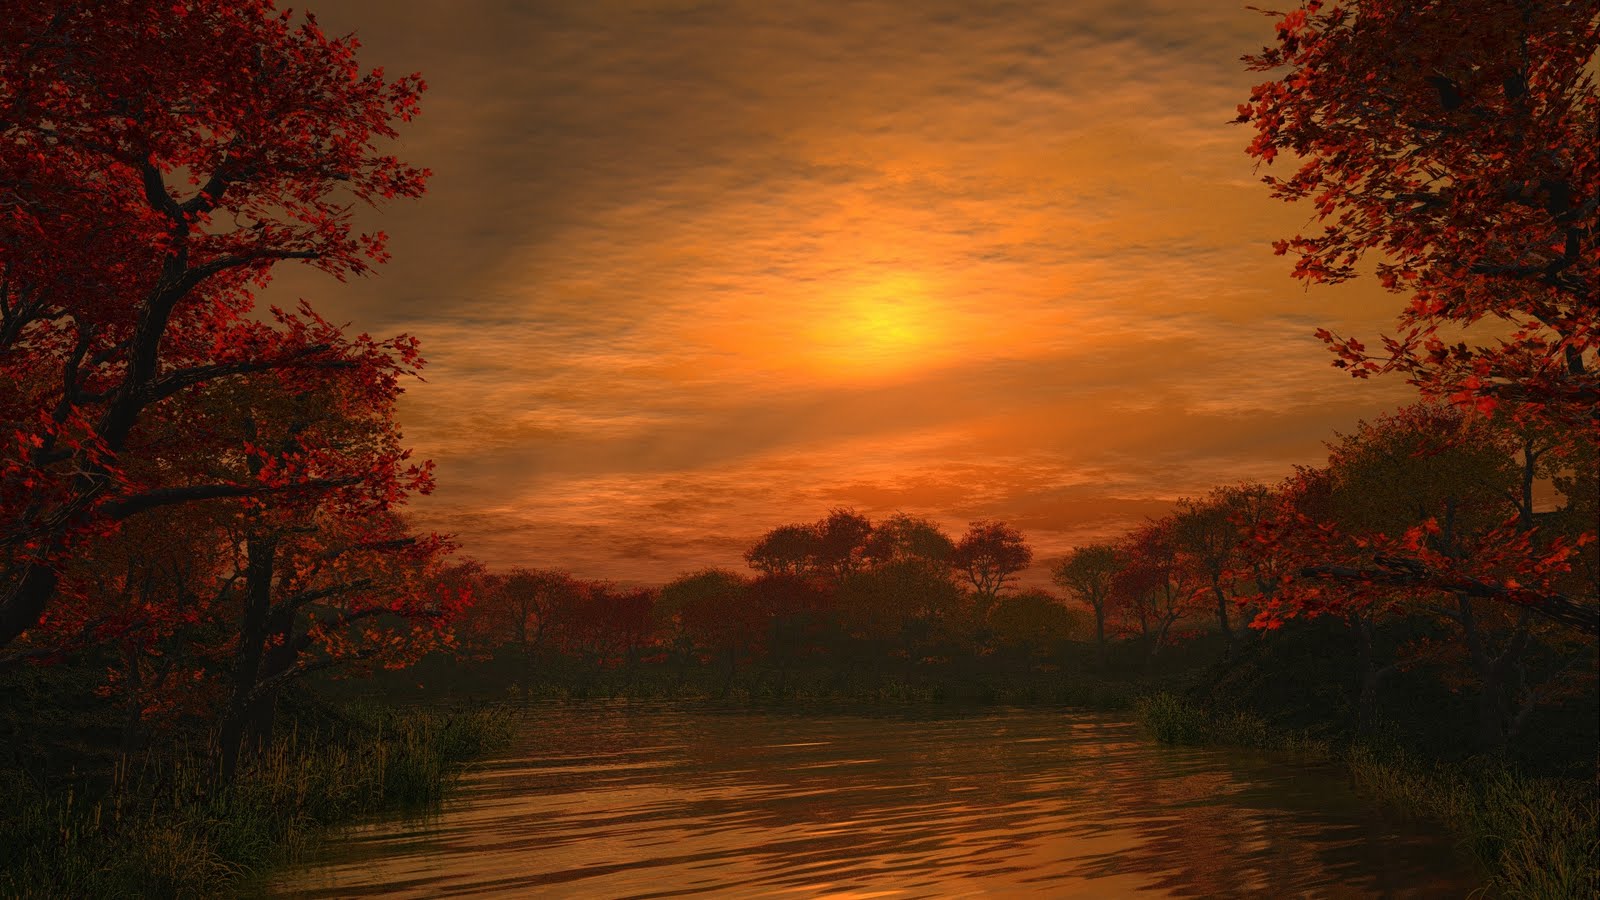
[{"x": 884, "y": 326}]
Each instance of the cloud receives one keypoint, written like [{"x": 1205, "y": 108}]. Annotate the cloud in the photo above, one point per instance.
[{"x": 690, "y": 270}]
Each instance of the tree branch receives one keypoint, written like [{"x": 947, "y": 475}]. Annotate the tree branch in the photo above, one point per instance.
[
  {"x": 1401, "y": 572},
  {"x": 128, "y": 506},
  {"x": 173, "y": 382}
]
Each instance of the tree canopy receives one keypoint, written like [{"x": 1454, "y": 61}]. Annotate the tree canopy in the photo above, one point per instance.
[{"x": 1457, "y": 144}]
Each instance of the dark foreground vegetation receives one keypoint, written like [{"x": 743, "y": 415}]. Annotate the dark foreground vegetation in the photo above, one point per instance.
[{"x": 83, "y": 822}]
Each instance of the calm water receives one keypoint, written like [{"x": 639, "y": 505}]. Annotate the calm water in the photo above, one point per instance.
[{"x": 651, "y": 802}]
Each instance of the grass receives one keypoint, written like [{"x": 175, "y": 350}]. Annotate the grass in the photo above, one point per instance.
[
  {"x": 1539, "y": 838},
  {"x": 166, "y": 829}
]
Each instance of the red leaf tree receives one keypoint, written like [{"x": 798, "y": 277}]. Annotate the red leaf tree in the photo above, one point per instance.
[
  {"x": 1154, "y": 587},
  {"x": 157, "y": 160},
  {"x": 1459, "y": 143},
  {"x": 1419, "y": 514}
]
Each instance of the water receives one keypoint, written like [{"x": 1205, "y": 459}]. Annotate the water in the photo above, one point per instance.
[{"x": 657, "y": 802}]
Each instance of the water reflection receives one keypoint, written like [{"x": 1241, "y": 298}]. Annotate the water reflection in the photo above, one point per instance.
[{"x": 652, "y": 802}]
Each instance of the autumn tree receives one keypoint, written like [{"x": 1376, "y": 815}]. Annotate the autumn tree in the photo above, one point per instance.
[
  {"x": 903, "y": 537},
  {"x": 841, "y": 541},
  {"x": 1088, "y": 573},
  {"x": 1152, "y": 589},
  {"x": 989, "y": 556},
  {"x": 533, "y": 605},
  {"x": 904, "y": 583},
  {"x": 153, "y": 599},
  {"x": 157, "y": 161},
  {"x": 798, "y": 610},
  {"x": 605, "y": 627},
  {"x": 328, "y": 575},
  {"x": 1432, "y": 489},
  {"x": 1459, "y": 144},
  {"x": 330, "y": 593},
  {"x": 1211, "y": 532},
  {"x": 833, "y": 546}
]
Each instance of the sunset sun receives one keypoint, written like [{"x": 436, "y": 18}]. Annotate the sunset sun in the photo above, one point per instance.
[{"x": 884, "y": 326}]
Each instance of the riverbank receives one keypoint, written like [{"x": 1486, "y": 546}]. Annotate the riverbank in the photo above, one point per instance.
[
  {"x": 165, "y": 827},
  {"x": 1536, "y": 837}
]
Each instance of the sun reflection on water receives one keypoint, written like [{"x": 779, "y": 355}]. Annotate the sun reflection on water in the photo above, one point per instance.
[{"x": 653, "y": 802}]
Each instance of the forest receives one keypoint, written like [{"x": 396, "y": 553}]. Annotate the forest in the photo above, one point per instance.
[{"x": 216, "y": 606}]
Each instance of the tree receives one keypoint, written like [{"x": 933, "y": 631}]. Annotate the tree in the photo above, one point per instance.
[
  {"x": 323, "y": 589},
  {"x": 712, "y": 610},
  {"x": 1153, "y": 588},
  {"x": 903, "y": 537},
  {"x": 834, "y": 546},
  {"x": 152, "y": 599},
  {"x": 1033, "y": 624},
  {"x": 1459, "y": 141},
  {"x": 1088, "y": 573},
  {"x": 1511, "y": 564},
  {"x": 786, "y": 550},
  {"x": 326, "y": 576},
  {"x": 157, "y": 160},
  {"x": 607, "y": 627},
  {"x": 990, "y": 555},
  {"x": 1436, "y": 490},
  {"x": 841, "y": 541},
  {"x": 1205, "y": 532},
  {"x": 523, "y": 609},
  {"x": 796, "y": 608}
]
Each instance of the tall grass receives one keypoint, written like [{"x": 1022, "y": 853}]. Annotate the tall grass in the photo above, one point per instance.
[
  {"x": 1539, "y": 838},
  {"x": 167, "y": 828}
]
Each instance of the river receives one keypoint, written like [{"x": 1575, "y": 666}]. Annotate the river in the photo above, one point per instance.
[{"x": 649, "y": 801}]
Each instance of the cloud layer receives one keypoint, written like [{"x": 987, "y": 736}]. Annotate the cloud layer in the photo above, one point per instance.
[{"x": 688, "y": 270}]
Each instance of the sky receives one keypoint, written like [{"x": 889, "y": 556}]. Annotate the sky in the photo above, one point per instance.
[{"x": 690, "y": 270}]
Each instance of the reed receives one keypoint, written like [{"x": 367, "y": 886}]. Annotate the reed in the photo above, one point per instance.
[{"x": 167, "y": 827}]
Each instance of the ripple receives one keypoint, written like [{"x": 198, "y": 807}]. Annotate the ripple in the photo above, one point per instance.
[{"x": 654, "y": 801}]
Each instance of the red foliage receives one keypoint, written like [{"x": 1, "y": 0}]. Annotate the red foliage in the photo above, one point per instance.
[
  {"x": 158, "y": 160},
  {"x": 1458, "y": 141},
  {"x": 1407, "y": 508},
  {"x": 1153, "y": 587}
]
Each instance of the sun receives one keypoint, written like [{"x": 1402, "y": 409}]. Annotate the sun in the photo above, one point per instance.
[{"x": 883, "y": 326}]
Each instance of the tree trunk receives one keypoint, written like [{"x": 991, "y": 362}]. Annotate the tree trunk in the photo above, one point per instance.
[
  {"x": 280, "y": 657},
  {"x": 21, "y": 609},
  {"x": 1222, "y": 610},
  {"x": 1372, "y": 675},
  {"x": 259, "y": 558},
  {"x": 1100, "y": 631},
  {"x": 133, "y": 718},
  {"x": 1492, "y": 735}
]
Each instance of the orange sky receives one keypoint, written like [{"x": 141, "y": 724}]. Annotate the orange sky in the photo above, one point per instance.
[{"x": 688, "y": 270}]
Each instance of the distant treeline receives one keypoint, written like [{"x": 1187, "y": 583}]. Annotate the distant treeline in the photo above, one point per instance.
[{"x": 1413, "y": 540}]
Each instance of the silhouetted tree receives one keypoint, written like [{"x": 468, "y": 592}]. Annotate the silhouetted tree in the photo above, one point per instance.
[
  {"x": 989, "y": 556},
  {"x": 1088, "y": 573}
]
